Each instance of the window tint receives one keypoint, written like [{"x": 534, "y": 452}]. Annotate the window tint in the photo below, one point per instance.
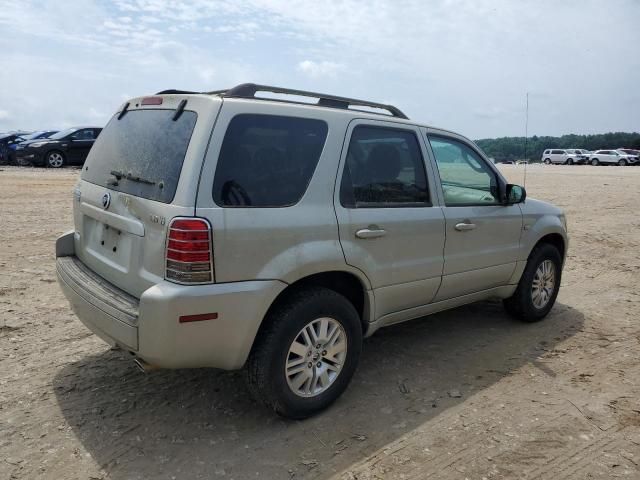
[
  {"x": 267, "y": 160},
  {"x": 147, "y": 145},
  {"x": 557, "y": 152},
  {"x": 466, "y": 178},
  {"x": 384, "y": 168}
]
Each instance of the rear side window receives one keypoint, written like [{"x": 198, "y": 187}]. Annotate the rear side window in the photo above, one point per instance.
[
  {"x": 267, "y": 160},
  {"x": 384, "y": 168},
  {"x": 141, "y": 154}
]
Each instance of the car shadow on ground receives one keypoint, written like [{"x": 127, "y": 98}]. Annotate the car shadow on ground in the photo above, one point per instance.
[{"x": 202, "y": 423}]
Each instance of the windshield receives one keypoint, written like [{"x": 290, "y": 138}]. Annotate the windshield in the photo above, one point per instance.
[
  {"x": 63, "y": 133},
  {"x": 142, "y": 153},
  {"x": 32, "y": 136}
]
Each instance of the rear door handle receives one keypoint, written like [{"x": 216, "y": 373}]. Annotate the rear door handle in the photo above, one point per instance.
[
  {"x": 371, "y": 232},
  {"x": 464, "y": 226}
]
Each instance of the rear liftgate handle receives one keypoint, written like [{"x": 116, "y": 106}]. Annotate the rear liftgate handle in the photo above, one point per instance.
[{"x": 372, "y": 231}]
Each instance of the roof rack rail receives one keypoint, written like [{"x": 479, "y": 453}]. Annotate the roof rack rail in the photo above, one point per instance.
[
  {"x": 249, "y": 90},
  {"x": 173, "y": 91}
]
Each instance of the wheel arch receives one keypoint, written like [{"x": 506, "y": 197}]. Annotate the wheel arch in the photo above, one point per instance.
[
  {"x": 345, "y": 283},
  {"x": 554, "y": 239}
]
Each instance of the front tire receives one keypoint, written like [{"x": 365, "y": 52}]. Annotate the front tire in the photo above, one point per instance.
[
  {"x": 547, "y": 161},
  {"x": 55, "y": 159},
  {"x": 306, "y": 353},
  {"x": 539, "y": 285},
  {"x": 622, "y": 162},
  {"x": 569, "y": 161}
]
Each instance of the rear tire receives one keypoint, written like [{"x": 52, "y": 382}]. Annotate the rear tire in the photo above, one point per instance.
[
  {"x": 595, "y": 162},
  {"x": 547, "y": 161},
  {"x": 299, "y": 385},
  {"x": 539, "y": 285}
]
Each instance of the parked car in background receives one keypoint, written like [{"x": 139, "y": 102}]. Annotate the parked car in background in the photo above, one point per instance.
[
  {"x": 581, "y": 155},
  {"x": 26, "y": 138},
  {"x": 7, "y": 140},
  {"x": 612, "y": 157},
  {"x": 632, "y": 152},
  {"x": 68, "y": 147},
  {"x": 563, "y": 157}
]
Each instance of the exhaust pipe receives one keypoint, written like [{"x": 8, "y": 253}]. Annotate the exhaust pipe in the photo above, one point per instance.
[{"x": 143, "y": 366}]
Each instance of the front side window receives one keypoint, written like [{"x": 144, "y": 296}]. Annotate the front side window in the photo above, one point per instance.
[
  {"x": 267, "y": 160},
  {"x": 384, "y": 168},
  {"x": 466, "y": 179}
]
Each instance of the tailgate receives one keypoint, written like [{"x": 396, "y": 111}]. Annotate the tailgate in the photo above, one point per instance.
[{"x": 142, "y": 171}]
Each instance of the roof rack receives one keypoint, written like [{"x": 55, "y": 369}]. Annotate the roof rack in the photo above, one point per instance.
[{"x": 249, "y": 90}]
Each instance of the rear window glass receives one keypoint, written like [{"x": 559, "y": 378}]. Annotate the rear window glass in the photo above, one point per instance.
[
  {"x": 267, "y": 160},
  {"x": 142, "y": 153}
]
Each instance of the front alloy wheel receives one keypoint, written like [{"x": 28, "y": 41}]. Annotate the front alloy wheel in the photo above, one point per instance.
[
  {"x": 544, "y": 284},
  {"x": 539, "y": 285}
]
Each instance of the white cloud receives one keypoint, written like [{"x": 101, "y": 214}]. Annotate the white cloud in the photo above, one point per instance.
[
  {"x": 464, "y": 64},
  {"x": 319, "y": 69},
  {"x": 4, "y": 114}
]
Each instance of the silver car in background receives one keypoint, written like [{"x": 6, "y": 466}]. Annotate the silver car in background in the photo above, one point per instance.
[
  {"x": 564, "y": 156},
  {"x": 612, "y": 157}
]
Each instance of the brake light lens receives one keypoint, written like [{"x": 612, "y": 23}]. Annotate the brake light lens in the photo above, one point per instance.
[
  {"x": 152, "y": 101},
  {"x": 189, "y": 252}
]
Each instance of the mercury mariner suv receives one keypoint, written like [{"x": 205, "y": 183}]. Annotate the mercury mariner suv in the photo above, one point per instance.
[{"x": 229, "y": 230}]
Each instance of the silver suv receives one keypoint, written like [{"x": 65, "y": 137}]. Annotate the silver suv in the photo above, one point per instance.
[
  {"x": 227, "y": 230},
  {"x": 570, "y": 156}
]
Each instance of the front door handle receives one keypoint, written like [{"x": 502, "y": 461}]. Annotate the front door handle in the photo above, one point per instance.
[
  {"x": 372, "y": 231},
  {"x": 465, "y": 226}
]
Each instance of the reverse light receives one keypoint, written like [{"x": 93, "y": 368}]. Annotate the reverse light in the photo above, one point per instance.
[{"x": 189, "y": 251}]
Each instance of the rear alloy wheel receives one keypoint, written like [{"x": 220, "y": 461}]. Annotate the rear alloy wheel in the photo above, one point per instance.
[
  {"x": 55, "y": 160},
  {"x": 595, "y": 162},
  {"x": 547, "y": 161},
  {"x": 622, "y": 162},
  {"x": 306, "y": 353}
]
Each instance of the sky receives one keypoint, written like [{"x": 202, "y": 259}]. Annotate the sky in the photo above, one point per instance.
[{"x": 463, "y": 65}]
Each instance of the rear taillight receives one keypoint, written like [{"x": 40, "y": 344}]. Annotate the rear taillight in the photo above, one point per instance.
[{"x": 189, "y": 253}]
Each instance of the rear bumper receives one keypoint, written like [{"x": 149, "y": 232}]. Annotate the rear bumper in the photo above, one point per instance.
[{"x": 149, "y": 327}]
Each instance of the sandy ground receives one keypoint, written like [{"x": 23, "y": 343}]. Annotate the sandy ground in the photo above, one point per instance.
[{"x": 466, "y": 394}]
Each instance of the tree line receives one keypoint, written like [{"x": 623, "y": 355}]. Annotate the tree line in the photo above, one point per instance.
[{"x": 513, "y": 148}]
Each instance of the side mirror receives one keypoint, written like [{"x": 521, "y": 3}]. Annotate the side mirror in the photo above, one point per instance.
[{"x": 515, "y": 194}]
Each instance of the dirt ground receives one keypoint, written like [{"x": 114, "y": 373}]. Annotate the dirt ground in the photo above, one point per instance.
[{"x": 465, "y": 394}]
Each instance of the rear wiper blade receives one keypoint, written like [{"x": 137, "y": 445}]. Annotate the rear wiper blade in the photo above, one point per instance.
[{"x": 128, "y": 176}]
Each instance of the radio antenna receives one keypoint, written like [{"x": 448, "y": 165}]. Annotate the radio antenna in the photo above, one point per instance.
[{"x": 526, "y": 135}]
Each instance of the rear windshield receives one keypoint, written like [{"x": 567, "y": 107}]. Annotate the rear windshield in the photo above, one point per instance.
[
  {"x": 142, "y": 153},
  {"x": 267, "y": 160}
]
